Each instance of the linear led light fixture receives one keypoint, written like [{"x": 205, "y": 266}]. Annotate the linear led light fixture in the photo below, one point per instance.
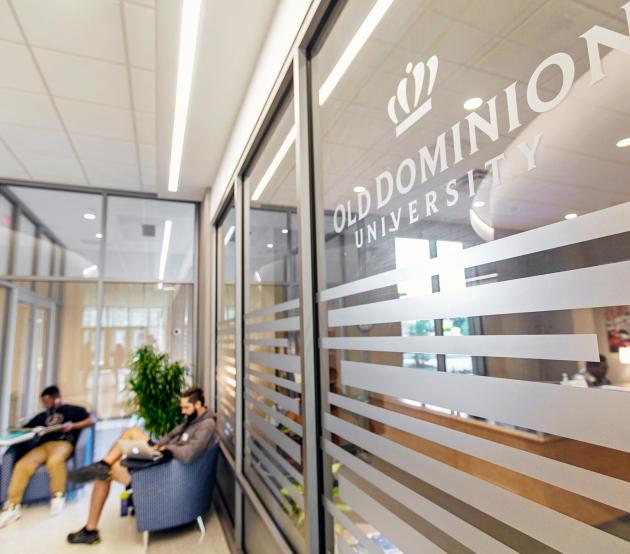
[
  {"x": 188, "y": 34},
  {"x": 166, "y": 242},
  {"x": 351, "y": 51},
  {"x": 228, "y": 235},
  {"x": 275, "y": 163}
]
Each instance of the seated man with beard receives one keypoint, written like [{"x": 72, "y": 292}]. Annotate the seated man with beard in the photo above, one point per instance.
[{"x": 185, "y": 442}]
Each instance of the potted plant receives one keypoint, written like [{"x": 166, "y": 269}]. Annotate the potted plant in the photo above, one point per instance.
[{"x": 156, "y": 384}]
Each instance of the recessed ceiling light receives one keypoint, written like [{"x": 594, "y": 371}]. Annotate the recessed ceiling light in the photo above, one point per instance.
[
  {"x": 479, "y": 204},
  {"x": 623, "y": 143},
  {"x": 473, "y": 103},
  {"x": 99, "y": 235},
  {"x": 359, "y": 189},
  {"x": 89, "y": 215},
  {"x": 285, "y": 231},
  {"x": 189, "y": 30},
  {"x": 269, "y": 245},
  {"x": 570, "y": 216}
]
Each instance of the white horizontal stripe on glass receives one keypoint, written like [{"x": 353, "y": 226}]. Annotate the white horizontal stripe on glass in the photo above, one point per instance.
[
  {"x": 285, "y": 362},
  {"x": 285, "y": 324},
  {"x": 271, "y": 452},
  {"x": 283, "y": 307},
  {"x": 279, "y": 417},
  {"x": 264, "y": 475},
  {"x": 590, "y": 484},
  {"x": 352, "y": 527},
  {"x": 460, "y": 530},
  {"x": 268, "y": 342},
  {"x": 287, "y": 403},
  {"x": 573, "y": 412},
  {"x": 399, "y": 532},
  {"x": 278, "y": 438},
  {"x": 284, "y": 383},
  {"x": 540, "y": 347},
  {"x": 544, "y": 524},
  {"x": 289, "y": 487},
  {"x": 603, "y": 223},
  {"x": 590, "y": 287}
]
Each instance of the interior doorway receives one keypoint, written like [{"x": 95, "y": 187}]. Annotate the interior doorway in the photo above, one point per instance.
[{"x": 28, "y": 353}]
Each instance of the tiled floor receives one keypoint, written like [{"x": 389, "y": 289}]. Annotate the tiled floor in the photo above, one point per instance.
[{"x": 38, "y": 533}]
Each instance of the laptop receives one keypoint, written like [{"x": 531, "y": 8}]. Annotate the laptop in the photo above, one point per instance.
[{"x": 138, "y": 450}]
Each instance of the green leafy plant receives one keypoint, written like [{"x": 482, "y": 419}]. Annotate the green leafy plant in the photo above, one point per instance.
[{"x": 156, "y": 384}]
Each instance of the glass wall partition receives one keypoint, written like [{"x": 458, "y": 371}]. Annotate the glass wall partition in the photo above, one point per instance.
[
  {"x": 53, "y": 244},
  {"x": 226, "y": 328},
  {"x": 272, "y": 375},
  {"x": 471, "y": 181}
]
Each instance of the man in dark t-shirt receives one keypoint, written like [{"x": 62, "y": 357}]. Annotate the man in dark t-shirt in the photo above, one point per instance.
[{"x": 58, "y": 429}]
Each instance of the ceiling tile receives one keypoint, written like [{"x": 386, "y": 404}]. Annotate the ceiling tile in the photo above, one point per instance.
[
  {"x": 140, "y": 35},
  {"x": 148, "y": 3},
  {"x": 95, "y": 148},
  {"x": 9, "y": 166},
  {"x": 145, "y": 124},
  {"x": 25, "y": 108},
  {"x": 70, "y": 76},
  {"x": 26, "y": 141},
  {"x": 101, "y": 121},
  {"x": 143, "y": 86},
  {"x": 147, "y": 154},
  {"x": 149, "y": 177},
  {"x": 18, "y": 70},
  {"x": 110, "y": 175},
  {"x": 76, "y": 26},
  {"x": 9, "y": 29},
  {"x": 54, "y": 169}
]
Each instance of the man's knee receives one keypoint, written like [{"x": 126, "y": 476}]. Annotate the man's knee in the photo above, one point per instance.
[
  {"x": 131, "y": 433},
  {"x": 55, "y": 461}
]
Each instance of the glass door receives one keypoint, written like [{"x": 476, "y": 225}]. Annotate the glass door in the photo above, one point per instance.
[{"x": 29, "y": 355}]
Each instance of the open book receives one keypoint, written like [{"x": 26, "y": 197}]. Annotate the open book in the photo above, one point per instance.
[{"x": 17, "y": 436}]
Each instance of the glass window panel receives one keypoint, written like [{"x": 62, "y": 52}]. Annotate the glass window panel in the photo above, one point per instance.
[
  {"x": 476, "y": 229},
  {"x": 6, "y": 211},
  {"x": 17, "y": 407},
  {"x": 73, "y": 220},
  {"x": 24, "y": 246},
  {"x": 150, "y": 240},
  {"x": 226, "y": 328},
  {"x": 127, "y": 329},
  {"x": 44, "y": 256},
  {"x": 273, "y": 414}
]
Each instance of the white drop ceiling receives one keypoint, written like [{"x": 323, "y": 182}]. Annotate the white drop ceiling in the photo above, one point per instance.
[
  {"x": 87, "y": 90},
  {"x": 77, "y": 92}
]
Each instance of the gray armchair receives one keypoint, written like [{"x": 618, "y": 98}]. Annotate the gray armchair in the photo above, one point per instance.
[
  {"x": 174, "y": 493},
  {"x": 39, "y": 485}
]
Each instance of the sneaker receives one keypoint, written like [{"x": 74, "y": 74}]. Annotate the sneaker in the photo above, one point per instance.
[
  {"x": 98, "y": 471},
  {"x": 57, "y": 504},
  {"x": 10, "y": 514},
  {"x": 84, "y": 537}
]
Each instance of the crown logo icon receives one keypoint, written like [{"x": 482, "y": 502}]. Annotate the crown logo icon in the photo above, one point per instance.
[{"x": 412, "y": 112}]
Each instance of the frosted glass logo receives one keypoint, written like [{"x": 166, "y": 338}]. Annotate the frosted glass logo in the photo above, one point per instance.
[
  {"x": 401, "y": 99},
  {"x": 500, "y": 112}
]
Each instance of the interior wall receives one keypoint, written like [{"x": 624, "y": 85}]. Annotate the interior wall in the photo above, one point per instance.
[{"x": 284, "y": 28}]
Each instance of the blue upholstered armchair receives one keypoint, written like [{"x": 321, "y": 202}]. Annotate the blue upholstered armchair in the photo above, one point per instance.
[
  {"x": 39, "y": 485},
  {"x": 174, "y": 493}
]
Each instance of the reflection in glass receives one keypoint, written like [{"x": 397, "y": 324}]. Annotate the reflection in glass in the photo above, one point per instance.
[{"x": 482, "y": 251}]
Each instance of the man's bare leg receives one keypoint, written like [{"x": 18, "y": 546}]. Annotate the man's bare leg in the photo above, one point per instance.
[
  {"x": 115, "y": 453},
  {"x": 100, "y": 493}
]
